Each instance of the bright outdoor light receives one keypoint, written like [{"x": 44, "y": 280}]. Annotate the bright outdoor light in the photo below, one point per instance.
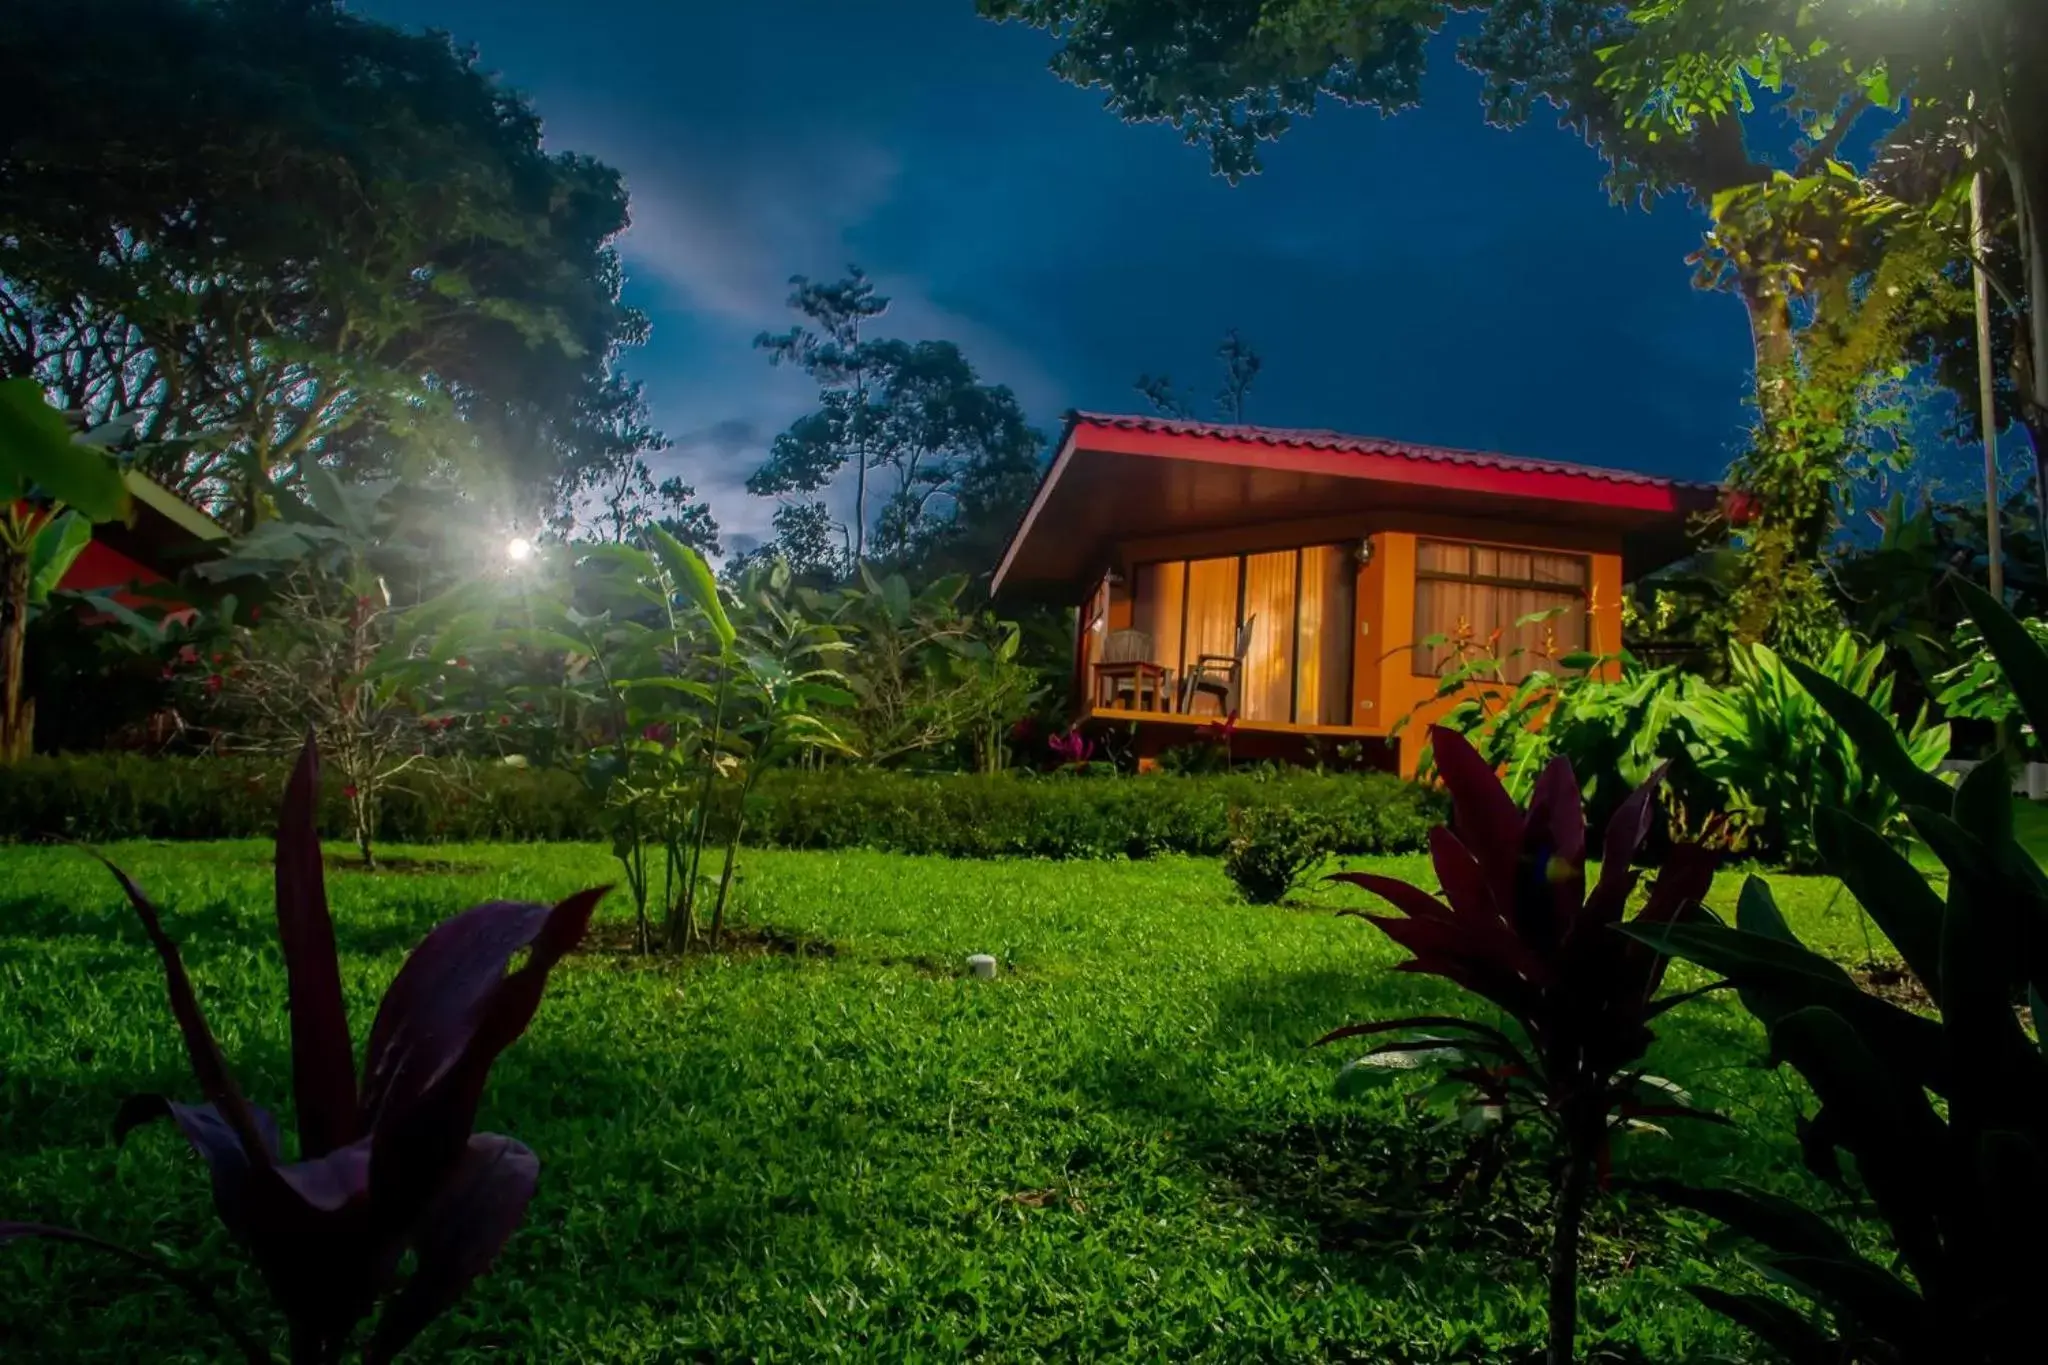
[{"x": 519, "y": 549}]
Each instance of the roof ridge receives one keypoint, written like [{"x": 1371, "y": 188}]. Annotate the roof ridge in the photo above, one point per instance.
[{"x": 1326, "y": 438}]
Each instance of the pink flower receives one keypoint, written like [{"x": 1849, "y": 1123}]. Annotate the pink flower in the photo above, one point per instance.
[{"x": 1070, "y": 747}]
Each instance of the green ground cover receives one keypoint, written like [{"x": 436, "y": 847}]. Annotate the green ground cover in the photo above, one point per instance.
[{"x": 829, "y": 1145}]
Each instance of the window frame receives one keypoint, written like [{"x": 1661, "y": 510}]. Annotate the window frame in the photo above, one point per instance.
[
  {"x": 1582, "y": 591},
  {"x": 1300, "y": 552}
]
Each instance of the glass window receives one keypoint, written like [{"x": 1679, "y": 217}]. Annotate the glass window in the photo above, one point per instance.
[
  {"x": 1528, "y": 606},
  {"x": 1300, "y": 605}
]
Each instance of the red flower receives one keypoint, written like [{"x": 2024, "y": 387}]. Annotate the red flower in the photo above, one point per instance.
[
  {"x": 461, "y": 662},
  {"x": 504, "y": 720},
  {"x": 255, "y": 615},
  {"x": 213, "y": 682},
  {"x": 1221, "y": 731},
  {"x": 169, "y": 672},
  {"x": 526, "y": 706},
  {"x": 349, "y": 791}
]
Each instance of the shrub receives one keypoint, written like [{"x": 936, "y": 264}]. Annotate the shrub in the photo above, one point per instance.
[
  {"x": 1516, "y": 927},
  {"x": 1272, "y": 848},
  {"x": 102, "y": 797},
  {"x": 1945, "y": 1116},
  {"x": 1778, "y": 757},
  {"x": 385, "y": 1172}
]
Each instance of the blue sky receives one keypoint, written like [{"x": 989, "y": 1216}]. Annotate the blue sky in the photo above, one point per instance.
[{"x": 1425, "y": 278}]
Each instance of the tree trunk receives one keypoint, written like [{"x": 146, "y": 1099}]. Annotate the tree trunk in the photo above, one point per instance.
[
  {"x": 1770, "y": 330},
  {"x": 17, "y": 715},
  {"x": 2032, "y": 200},
  {"x": 1572, "y": 1193}
]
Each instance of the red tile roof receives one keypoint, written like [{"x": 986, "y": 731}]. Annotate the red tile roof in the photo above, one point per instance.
[{"x": 1311, "y": 438}]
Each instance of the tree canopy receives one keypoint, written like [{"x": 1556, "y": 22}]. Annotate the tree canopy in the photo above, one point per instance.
[
  {"x": 957, "y": 456},
  {"x": 273, "y": 231}
]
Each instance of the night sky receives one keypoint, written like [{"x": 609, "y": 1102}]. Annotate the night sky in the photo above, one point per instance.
[{"x": 1425, "y": 278}]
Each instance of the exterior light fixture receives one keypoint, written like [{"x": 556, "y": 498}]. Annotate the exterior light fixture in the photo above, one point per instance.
[{"x": 1363, "y": 551}]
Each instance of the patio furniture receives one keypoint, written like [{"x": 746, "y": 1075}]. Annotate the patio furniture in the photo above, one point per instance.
[
  {"x": 1218, "y": 675},
  {"x": 1126, "y": 670}
]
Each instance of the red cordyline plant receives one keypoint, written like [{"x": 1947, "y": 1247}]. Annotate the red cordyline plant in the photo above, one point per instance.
[
  {"x": 383, "y": 1169},
  {"x": 1516, "y": 926}
]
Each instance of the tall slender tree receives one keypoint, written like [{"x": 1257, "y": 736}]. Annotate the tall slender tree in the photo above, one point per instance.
[
  {"x": 914, "y": 415},
  {"x": 1241, "y": 366}
]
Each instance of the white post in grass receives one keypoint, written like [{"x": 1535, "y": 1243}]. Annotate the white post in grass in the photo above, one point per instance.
[{"x": 983, "y": 966}]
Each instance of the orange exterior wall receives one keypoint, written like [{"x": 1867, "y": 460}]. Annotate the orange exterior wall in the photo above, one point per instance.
[
  {"x": 1385, "y": 690},
  {"x": 1402, "y": 693}
]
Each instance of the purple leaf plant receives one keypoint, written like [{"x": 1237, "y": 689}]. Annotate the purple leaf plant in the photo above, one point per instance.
[{"x": 384, "y": 1167}]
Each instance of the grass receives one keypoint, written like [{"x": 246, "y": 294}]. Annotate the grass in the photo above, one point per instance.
[{"x": 1121, "y": 1149}]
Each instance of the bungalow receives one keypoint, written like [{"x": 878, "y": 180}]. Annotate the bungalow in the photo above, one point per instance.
[
  {"x": 1291, "y": 578},
  {"x": 165, "y": 536}
]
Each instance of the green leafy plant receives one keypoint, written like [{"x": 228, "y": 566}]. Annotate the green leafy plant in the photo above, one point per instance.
[
  {"x": 1944, "y": 1116},
  {"x": 54, "y": 483},
  {"x": 1977, "y": 688},
  {"x": 1516, "y": 926},
  {"x": 1777, "y": 757},
  {"x": 1273, "y": 848},
  {"x": 386, "y": 1169}
]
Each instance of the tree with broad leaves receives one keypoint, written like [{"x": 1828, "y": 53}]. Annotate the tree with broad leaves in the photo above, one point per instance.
[
  {"x": 393, "y": 1202},
  {"x": 1231, "y": 74},
  {"x": 1968, "y": 72},
  {"x": 273, "y": 233},
  {"x": 54, "y": 483}
]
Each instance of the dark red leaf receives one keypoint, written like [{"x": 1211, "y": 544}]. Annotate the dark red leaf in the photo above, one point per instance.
[
  {"x": 470, "y": 1220},
  {"x": 213, "y": 1138},
  {"x": 1465, "y": 884},
  {"x": 331, "y": 1182},
  {"x": 1555, "y": 805},
  {"x": 416, "y": 1145},
  {"x": 1626, "y": 830},
  {"x": 323, "y": 1065},
  {"x": 209, "y": 1067},
  {"x": 432, "y": 1007},
  {"x": 1439, "y": 1021},
  {"x": 1412, "y": 901},
  {"x": 1483, "y": 814}
]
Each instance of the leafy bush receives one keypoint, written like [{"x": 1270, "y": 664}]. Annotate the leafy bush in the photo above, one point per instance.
[
  {"x": 1273, "y": 848},
  {"x": 1976, "y": 688},
  {"x": 1515, "y": 926},
  {"x": 1945, "y": 1117},
  {"x": 1778, "y": 757},
  {"x": 115, "y": 796},
  {"x": 385, "y": 1172}
]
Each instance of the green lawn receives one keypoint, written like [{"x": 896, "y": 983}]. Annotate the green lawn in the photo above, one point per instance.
[{"x": 1122, "y": 1149}]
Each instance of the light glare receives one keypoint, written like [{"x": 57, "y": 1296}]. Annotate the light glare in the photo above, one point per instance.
[{"x": 519, "y": 549}]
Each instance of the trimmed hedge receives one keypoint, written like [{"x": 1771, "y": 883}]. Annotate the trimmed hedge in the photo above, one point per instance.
[{"x": 98, "y": 797}]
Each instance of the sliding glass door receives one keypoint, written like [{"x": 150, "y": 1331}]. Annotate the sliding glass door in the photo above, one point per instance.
[{"x": 1300, "y": 604}]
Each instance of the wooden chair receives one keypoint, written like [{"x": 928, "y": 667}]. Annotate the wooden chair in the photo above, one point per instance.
[
  {"x": 1125, "y": 673},
  {"x": 1218, "y": 675}
]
